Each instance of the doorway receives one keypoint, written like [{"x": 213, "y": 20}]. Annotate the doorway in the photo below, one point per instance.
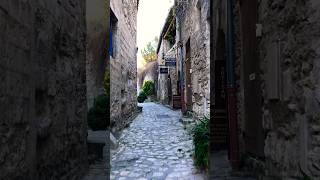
[
  {"x": 220, "y": 126},
  {"x": 254, "y": 137},
  {"x": 169, "y": 89},
  {"x": 188, "y": 77}
]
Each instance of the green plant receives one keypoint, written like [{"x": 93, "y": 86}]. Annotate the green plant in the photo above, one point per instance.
[
  {"x": 148, "y": 87},
  {"x": 149, "y": 53},
  {"x": 142, "y": 97},
  {"x": 171, "y": 35},
  {"x": 200, "y": 133},
  {"x": 98, "y": 116}
]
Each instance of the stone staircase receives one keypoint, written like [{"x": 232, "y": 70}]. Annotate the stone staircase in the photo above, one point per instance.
[{"x": 219, "y": 129}]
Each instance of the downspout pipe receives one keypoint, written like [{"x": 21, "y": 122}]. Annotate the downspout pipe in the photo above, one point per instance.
[{"x": 231, "y": 89}]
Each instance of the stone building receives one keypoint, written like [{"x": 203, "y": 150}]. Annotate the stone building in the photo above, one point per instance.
[
  {"x": 189, "y": 81},
  {"x": 272, "y": 85},
  {"x": 42, "y": 90},
  {"x": 166, "y": 49},
  {"x": 123, "y": 61},
  {"x": 193, "y": 35},
  {"x": 97, "y": 63}
]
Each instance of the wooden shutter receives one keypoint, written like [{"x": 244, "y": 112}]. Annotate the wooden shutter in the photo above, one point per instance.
[
  {"x": 111, "y": 40},
  {"x": 273, "y": 71}
]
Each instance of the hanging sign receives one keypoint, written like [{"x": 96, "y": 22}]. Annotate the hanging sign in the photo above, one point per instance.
[
  {"x": 163, "y": 70},
  {"x": 170, "y": 61}
]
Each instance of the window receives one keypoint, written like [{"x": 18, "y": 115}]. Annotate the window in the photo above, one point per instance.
[{"x": 113, "y": 28}]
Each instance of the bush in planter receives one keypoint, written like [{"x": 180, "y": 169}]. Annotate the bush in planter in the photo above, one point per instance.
[
  {"x": 148, "y": 87},
  {"x": 142, "y": 97},
  {"x": 98, "y": 116},
  {"x": 200, "y": 133}
]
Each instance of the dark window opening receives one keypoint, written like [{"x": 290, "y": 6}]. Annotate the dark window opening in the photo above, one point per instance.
[
  {"x": 188, "y": 49},
  {"x": 113, "y": 29}
]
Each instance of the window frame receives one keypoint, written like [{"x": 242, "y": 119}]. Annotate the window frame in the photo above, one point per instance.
[{"x": 112, "y": 34}]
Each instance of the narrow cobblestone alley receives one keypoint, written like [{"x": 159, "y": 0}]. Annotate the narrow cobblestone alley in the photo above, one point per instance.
[{"x": 155, "y": 146}]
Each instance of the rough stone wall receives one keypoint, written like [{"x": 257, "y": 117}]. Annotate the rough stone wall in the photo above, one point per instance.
[
  {"x": 173, "y": 70},
  {"x": 162, "y": 89},
  {"x": 123, "y": 66},
  {"x": 97, "y": 43},
  {"x": 42, "y": 89},
  {"x": 292, "y": 122},
  {"x": 195, "y": 25}
]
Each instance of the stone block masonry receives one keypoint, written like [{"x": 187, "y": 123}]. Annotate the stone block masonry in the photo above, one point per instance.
[
  {"x": 42, "y": 89},
  {"x": 162, "y": 87},
  {"x": 277, "y": 85},
  {"x": 123, "y": 63},
  {"x": 292, "y": 122},
  {"x": 97, "y": 42},
  {"x": 196, "y": 28}
]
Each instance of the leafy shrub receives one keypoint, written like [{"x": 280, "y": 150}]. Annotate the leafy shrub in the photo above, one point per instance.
[
  {"x": 142, "y": 97},
  {"x": 149, "y": 53},
  {"x": 98, "y": 116},
  {"x": 148, "y": 87},
  {"x": 200, "y": 133}
]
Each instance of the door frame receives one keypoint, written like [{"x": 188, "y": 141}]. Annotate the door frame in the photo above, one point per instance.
[
  {"x": 251, "y": 80},
  {"x": 188, "y": 76}
]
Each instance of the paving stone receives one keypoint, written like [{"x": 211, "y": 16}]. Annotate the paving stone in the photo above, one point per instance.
[
  {"x": 124, "y": 173},
  {"x": 158, "y": 174},
  {"x": 150, "y": 147}
]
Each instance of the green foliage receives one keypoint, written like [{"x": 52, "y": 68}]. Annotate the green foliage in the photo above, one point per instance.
[
  {"x": 147, "y": 90},
  {"x": 142, "y": 97},
  {"x": 200, "y": 133},
  {"x": 98, "y": 116},
  {"x": 149, "y": 52},
  {"x": 148, "y": 87},
  {"x": 171, "y": 36}
]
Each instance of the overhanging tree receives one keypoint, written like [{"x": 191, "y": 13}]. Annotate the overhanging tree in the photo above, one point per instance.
[{"x": 149, "y": 53}]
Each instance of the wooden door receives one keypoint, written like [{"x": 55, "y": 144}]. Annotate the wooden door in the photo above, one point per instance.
[
  {"x": 188, "y": 77},
  {"x": 169, "y": 90},
  {"x": 220, "y": 126},
  {"x": 254, "y": 137}
]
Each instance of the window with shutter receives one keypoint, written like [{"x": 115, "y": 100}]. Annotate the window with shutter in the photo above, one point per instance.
[
  {"x": 112, "y": 31},
  {"x": 111, "y": 41}
]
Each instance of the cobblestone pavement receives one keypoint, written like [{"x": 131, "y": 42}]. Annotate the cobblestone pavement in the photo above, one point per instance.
[{"x": 155, "y": 146}]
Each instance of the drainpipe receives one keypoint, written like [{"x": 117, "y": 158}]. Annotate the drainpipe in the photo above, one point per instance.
[
  {"x": 231, "y": 90},
  {"x": 180, "y": 45}
]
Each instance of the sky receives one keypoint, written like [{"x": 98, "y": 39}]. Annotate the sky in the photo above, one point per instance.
[{"x": 151, "y": 18}]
